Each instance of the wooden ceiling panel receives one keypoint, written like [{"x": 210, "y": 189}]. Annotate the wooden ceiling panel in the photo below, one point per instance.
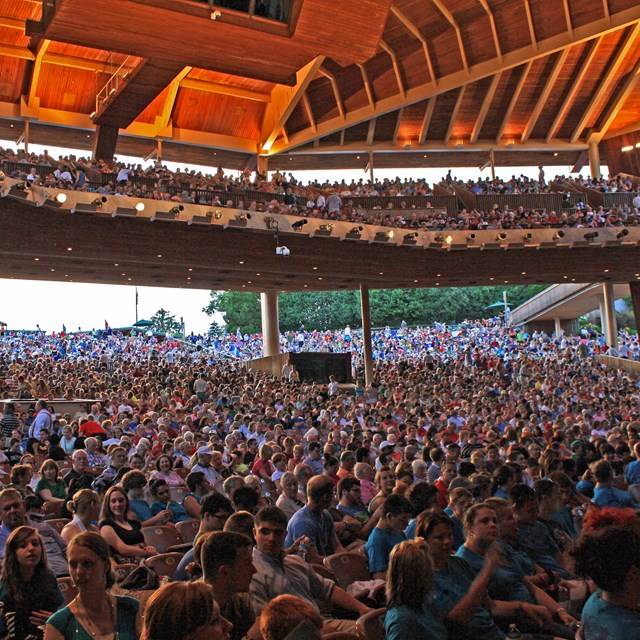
[
  {"x": 11, "y": 73},
  {"x": 351, "y": 86},
  {"x": 548, "y": 18},
  {"x": 213, "y": 113},
  {"x": 620, "y": 5},
  {"x": 230, "y": 80},
  {"x": 113, "y": 59},
  {"x": 446, "y": 54},
  {"x": 385, "y": 127},
  {"x": 424, "y": 15},
  {"x": 445, "y": 104},
  {"x": 474, "y": 96},
  {"x": 357, "y": 133},
  {"x": 298, "y": 119},
  {"x": 477, "y": 36},
  {"x": 68, "y": 89},
  {"x": 381, "y": 75},
  {"x": 585, "y": 12},
  {"x": 322, "y": 99},
  {"x": 499, "y": 104},
  {"x": 411, "y": 124},
  {"x": 155, "y": 107},
  {"x": 413, "y": 63},
  {"x": 13, "y": 37},
  {"x": 511, "y": 24},
  {"x": 628, "y": 114}
]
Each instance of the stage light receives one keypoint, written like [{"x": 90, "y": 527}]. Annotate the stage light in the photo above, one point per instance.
[
  {"x": 324, "y": 230},
  {"x": 165, "y": 216},
  {"x": 471, "y": 237},
  {"x": 558, "y": 235},
  {"x": 99, "y": 201},
  {"x": 270, "y": 222},
  {"x": 592, "y": 235},
  {"x": 297, "y": 226},
  {"x": 177, "y": 209},
  {"x": 140, "y": 206},
  {"x": 622, "y": 234},
  {"x": 501, "y": 236},
  {"x": 61, "y": 198}
]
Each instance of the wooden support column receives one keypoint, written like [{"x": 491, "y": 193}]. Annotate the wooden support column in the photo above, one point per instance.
[
  {"x": 270, "y": 323},
  {"x": 610, "y": 324},
  {"x": 635, "y": 300},
  {"x": 104, "y": 142},
  {"x": 263, "y": 165},
  {"x": 366, "y": 333},
  {"x": 558, "y": 327},
  {"x": 594, "y": 160}
]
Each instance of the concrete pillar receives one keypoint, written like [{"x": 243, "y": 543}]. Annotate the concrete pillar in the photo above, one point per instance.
[
  {"x": 635, "y": 301},
  {"x": 270, "y": 323},
  {"x": 371, "y": 165},
  {"x": 594, "y": 160},
  {"x": 558, "y": 327},
  {"x": 610, "y": 325},
  {"x": 601, "y": 309},
  {"x": 262, "y": 165},
  {"x": 366, "y": 333}
]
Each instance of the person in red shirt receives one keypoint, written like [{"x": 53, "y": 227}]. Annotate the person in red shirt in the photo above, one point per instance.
[
  {"x": 447, "y": 474},
  {"x": 89, "y": 427}
]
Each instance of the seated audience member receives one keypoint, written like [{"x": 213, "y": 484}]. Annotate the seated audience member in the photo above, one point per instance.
[
  {"x": 610, "y": 556},
  {"x": 356, "y": 519},
  {"x": 448, "y": 472},
  {"x": 388, "y": 532},
  {"x": 460, "y": 499},
  {"x": 363, "y": 471},
  {"x": 289, "y": 500},
  {"x": 134, "y": 483},
  {"x": 14, "y": 515},
  {"x": 21, "y": 476},
  {"x": 121, "y": 530},
  {"x": 114, "y": 472},
  {"x": 164, "y": 471},
  {"x": 278, "y": 573},
  {"x": 245, "y": 498},
  {"x": 422, "y": 497},
  {"x": 604, "y": 493},
  {"x": 184, "y": 611},
  {"x": 85, "y": 507},
  {"x": 51, "y": 487},
  {"x": 241, "y": 522},
  {"x": 161, "y": 493},
  {"x": 314, "y": 522},
  {"x": 385, "y": 481},
  {"x": 198, "y": 488},
  {"x": 29, "y": 591},
  {"x": 227, "y": 566},
  {"x": 287, "y": 614},
  {"x": 409, "y": 583}
]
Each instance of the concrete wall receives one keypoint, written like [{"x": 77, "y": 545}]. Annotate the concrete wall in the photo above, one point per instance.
[
  {"x": 630, "y": 366},
  {"x": 570, "y": 327}
]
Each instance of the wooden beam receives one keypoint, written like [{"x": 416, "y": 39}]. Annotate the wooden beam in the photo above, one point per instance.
[
  {"x": 12, "y": 23},
  {"x": 22, "y": 53},
  {"x": 608, "y": 77},
  {"x": 490, "y": 67},
  {"x": 567, "y": 15},
  {"x": 494, "y": 30},
  {"x": 224, "y": 90},
  {"x": 283, "y": 101},
  {"x": 396, "y": 131},
  {"x": 484, "y": 109},
  {"x": 514, "y": 99},
  {"x": 441, "y": 7},
  {"x": 394, "y": 61},
  {"x": 574, "y": 84},
  {"x": 32, "y": 99},
  {"x": 583, "y": 158},
  {"x": 605, "y": 7},
  {"x": 532, "y": 30},
  {"x": 336, "y": 90},
  {"x": 342, "y": 137},
  {"x": 367, "y": 85},
  {"x": 611, "y": 113},
  {"x": 426, "y": 121},
  {"x": 170, "y": 100},
  {"x": 454, "y": 113},
  {"x": 415, "y": 32},
  {"x": 371, "y": 131},
  {"x": 307, "y": 107},
  {"x": 544, "y": 95}
]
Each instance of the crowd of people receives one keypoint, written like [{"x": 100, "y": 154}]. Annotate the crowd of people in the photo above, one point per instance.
[
  {"x": 485, "y": 480},
  {"x": 328, "y": 201}
]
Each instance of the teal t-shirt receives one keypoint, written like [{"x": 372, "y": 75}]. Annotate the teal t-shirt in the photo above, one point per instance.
[
  {"x": 602, "y": 620},
  {"x": 403, "y": 622}
]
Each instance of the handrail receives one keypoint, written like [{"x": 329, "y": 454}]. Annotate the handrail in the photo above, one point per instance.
[{"x": 112, "y": 85}]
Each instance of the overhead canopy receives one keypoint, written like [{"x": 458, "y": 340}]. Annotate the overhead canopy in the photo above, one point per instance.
[{"x": 433, "y": 83}]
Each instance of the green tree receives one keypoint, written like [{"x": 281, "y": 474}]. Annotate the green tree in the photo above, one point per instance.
[
  {"x": 238, "y": 308},
  {"x": 163, "y": 322}
]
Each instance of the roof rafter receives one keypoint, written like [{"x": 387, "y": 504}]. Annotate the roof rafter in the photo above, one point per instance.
[
  {"x": 371, "y": 131},
  {"x": 532, "y": 29},
  {"x": 626, "y": 89},
  {"x": 544, "y": 95},
  {"x": 567, "y": 15},
  {"x": 309, "y": 110},
  {"x": 415, "y": 32},
  {"x": 170, "y": 100},
  {"x": 426, "y": 121},
  {"x": 514, "y": 98},
  {"x": 454, "y": 113},
  {"x": 484, "y": 109},
  {"x": 336, "y": 90},
  {"x": 441, "y": 7},
  {"x": 494, "y": 29},
  {"x": 394, "y": 61},
  {"x": 396, "y": 131},
  {"x": 574, "y": 83},
  {"x": 224, "y": 90},
  {"x": 43, "y": 45},
  {"x": 367, "y": 85},
  {"x": 489, "y": 67},
  {"x": 608, "y": 77}
]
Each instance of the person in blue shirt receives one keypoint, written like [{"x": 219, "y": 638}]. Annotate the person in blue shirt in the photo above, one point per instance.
[
  {"x": 395, "y": 516},
  {"x": 605, "y": 494},
  {"x": 610, "y": 556},
  {"x": 409, "y": 585},
  {"x": 161, "y": 492},
  {"x": 134, "y": 483},
  {"x": 632, "y": 472}
]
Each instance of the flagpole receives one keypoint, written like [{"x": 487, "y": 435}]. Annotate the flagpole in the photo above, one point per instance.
[{"x": 136, "y": 304}]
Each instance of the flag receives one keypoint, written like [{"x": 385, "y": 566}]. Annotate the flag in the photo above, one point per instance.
[
  {"x": 64, "y": 329},
  {"x": 106, "y": 326}
]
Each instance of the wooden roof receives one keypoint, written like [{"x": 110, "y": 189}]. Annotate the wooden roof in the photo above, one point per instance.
[{"x": 441, "y": 80}]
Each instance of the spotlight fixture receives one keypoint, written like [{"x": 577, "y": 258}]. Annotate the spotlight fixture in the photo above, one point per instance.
[
  {"x": 19, "y": 189},
  {"x": 527, "y": 236},
  {"x": 411, "y": 238},
  {"x": 47, "y": 201},
  {"x": 217, "y": 215},
  {"x": 354, "y": 233},
  {"x": 140, "y": 206},
  {"x": 239, "y": 221},
  {"x": 270, "y": 222},
  {"x": 558, "y": 235},
  {"x": 471, "y": 237},
  {"x": 205, "y": 219},
  {"x": 177, "y": 209},
  {"x": 99, "y": 201},
  {"x": 622, "y": 234},
  {"x": 324, "y": 230},
  {"x": 442, "y": 239},
  {"x": 297, "y": 226},
  {"x": 592, "y": 235},
  {"x": 61, "y": 198},
  {"x": 2, "y": 176},
  {"x": 382, "y": 236},
  {"x": 166, "y": 216},
  {"x": 501, "y": 236},
  {"x": 127, "y": 212},
  {"x": 85, "y": 207}
]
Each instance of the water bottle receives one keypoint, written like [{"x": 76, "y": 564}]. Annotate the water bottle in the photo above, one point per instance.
[
  {"x": 302, "y": 550},
  {"x": 514, "y": 632}
]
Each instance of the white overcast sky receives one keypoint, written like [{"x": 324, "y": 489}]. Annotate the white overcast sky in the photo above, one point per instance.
[{"x": 23, "y": 303}]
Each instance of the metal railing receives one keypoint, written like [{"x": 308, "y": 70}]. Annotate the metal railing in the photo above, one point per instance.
[{"x": 113, "y": 84}]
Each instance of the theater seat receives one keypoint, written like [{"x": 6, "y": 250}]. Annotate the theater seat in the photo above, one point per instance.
[
  {"x": 370, "y": 626},
  {"x": 69, "y": 590},
  {"x": 164, "y": 564},
  {"x": 161, "y": 538},
  {"x": 188, "y": 530},
  {"x": 347, "y": 568}
]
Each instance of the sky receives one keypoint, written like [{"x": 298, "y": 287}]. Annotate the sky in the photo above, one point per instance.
[{"x": 88, "y": 305}]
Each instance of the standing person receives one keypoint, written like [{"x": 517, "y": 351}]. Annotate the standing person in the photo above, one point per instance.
[
  {"x": 29, "y": 592},
  {"x": 94, "y": 613},
  {"x": 42, "y": 421},
  {"x": 10, "y": 421}
]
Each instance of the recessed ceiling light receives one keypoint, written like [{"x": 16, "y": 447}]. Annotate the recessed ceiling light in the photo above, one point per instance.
[
  {"x": 69, "y": 248},
  {"x": 38, "y": 260},
  {"x": 159, "y": 255}
]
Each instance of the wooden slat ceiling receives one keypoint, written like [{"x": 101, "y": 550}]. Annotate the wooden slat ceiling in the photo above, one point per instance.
[{"x": 414, "y": 77}]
